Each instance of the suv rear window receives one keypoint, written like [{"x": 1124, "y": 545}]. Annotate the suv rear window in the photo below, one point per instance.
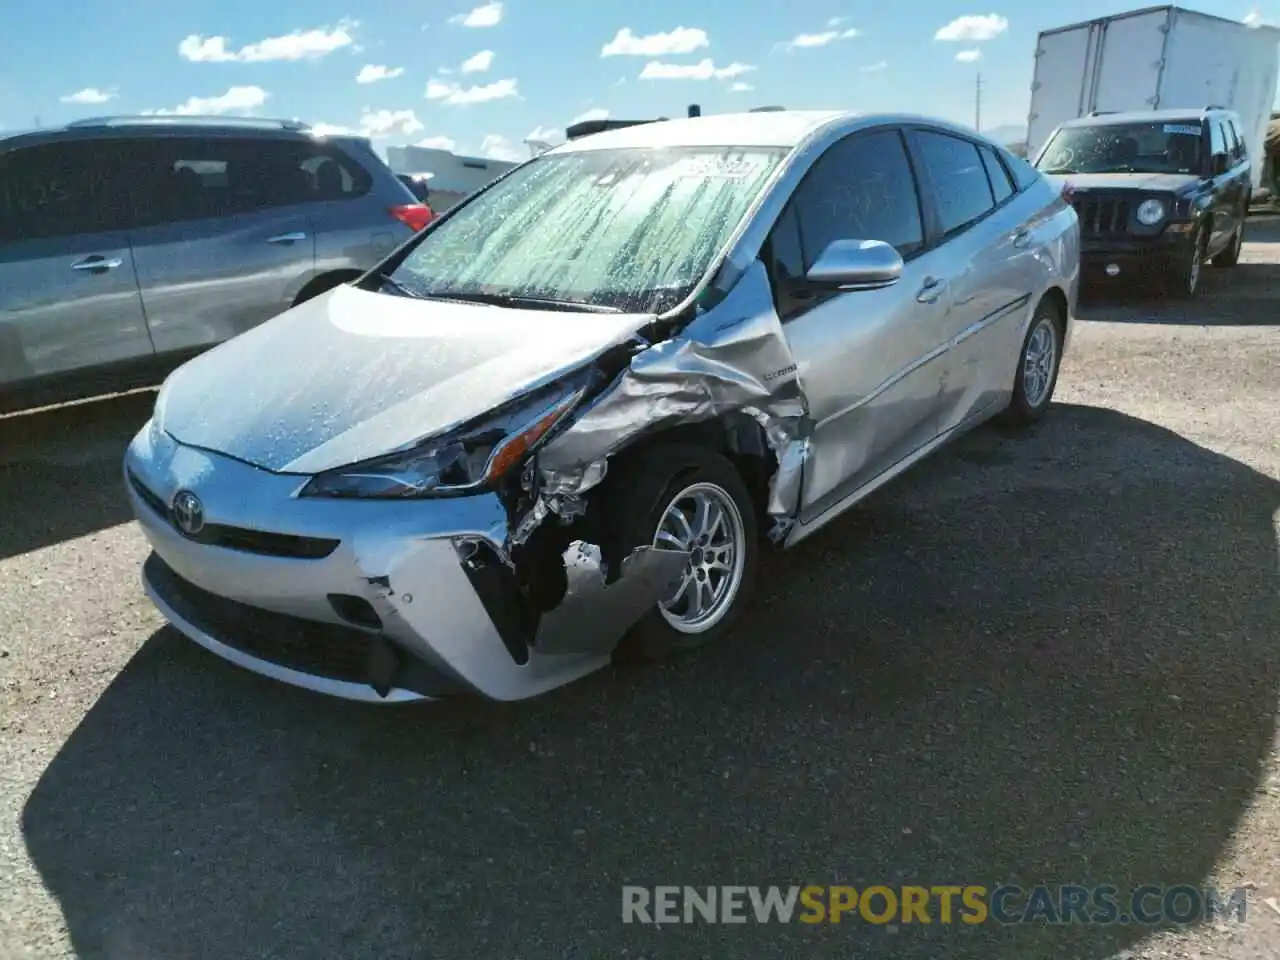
[{"x": 190, "y": 178}]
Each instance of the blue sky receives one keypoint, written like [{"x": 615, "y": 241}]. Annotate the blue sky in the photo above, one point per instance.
[{"x": 481, "y": 77}]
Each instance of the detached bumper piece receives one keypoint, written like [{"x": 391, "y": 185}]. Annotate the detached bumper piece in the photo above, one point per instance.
[{"x": 329, "y": 651}]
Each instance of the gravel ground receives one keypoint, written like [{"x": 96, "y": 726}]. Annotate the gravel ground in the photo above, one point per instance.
[{"x": 1047, "y": 658}]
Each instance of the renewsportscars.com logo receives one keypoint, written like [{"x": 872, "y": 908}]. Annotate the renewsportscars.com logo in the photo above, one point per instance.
[{"x": 972, "y": 904}]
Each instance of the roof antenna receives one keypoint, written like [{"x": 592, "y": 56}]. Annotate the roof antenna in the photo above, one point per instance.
[{"x": 695, "y": 110}]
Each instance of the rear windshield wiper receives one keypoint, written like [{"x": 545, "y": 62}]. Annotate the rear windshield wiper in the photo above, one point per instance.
[{"x": 514, "y": 300}]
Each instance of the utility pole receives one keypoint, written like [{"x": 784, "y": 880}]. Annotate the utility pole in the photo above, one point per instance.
[{"x": 977, "y": 105}]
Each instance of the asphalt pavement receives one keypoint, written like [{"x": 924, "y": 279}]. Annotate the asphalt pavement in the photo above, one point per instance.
[{"x": 1041, "y": 658}]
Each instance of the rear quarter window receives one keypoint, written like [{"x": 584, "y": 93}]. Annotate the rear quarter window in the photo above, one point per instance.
[{"x": 1024, "y": 174}]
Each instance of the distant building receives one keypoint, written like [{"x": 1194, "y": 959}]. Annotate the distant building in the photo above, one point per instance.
[{"x": 451, "y": 177}]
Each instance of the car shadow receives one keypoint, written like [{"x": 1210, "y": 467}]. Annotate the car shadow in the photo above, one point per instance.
[
  {"x": 1048, "y": 660},
  {"x": 67, "y": 460}
]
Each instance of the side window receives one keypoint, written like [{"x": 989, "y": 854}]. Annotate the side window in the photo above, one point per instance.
[
  {"x": 1217, "y": 138},
  {"x": 784, "y": 257},
  {"x": 997, "y": 174},
  {"x": 1239, "y": 151},
  {"x": 862, "y": 188},
  {"x": 61, "y": 189},
  {"x": 958, "y": 177},
  {"x": 191, "y": 178}
]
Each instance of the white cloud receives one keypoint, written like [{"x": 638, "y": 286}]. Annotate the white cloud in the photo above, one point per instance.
[
  {"x": 969, "y": 56},
  {"x": 1254, "y": 18},
  {"x": 497, "y": 147},
  {"x": 488, "y": 15},
  {"x": 481, "y": 62},
  {"x": 680, "y": 40},
  {"x": 299, "y": 45},
  {"x": 457, "y": 95},
  {"x": 89, "y": 95},
  {"x": 876, "y": 67},
  {"x": 544, "y": 134},
  {"x": 807, "y": 41},
  {"x": 438, "y": 143},
  {"x": 741, "y": 87},
  {"x": 836, "y": 21},
  {"x": 235, "y": 100},
  {"x": 595, "y": 113},
  {"x": 331, "y": 130},
  {"x": 974, "y": 28},
  {"x": 702, "y": 70},
  {"x": 388, "y": 123},
  {"x": 372, "y": 73}
]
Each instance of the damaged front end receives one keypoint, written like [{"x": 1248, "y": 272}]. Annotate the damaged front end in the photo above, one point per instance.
[{"x": 553, "y": 585}]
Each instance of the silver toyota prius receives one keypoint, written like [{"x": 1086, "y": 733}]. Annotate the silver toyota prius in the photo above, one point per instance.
[{"x": 560, "y": 424}]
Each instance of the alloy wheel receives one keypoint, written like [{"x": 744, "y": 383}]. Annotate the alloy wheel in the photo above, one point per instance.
[
  {"x": 704, "y": 520},
  {"x": 1039, "y": 361}
]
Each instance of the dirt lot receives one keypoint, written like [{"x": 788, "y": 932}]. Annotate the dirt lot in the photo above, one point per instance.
[{"x": 1040, "y": 659}]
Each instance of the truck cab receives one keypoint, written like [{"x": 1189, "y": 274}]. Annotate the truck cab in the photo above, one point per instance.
[{"x": 1158, "y": 193}]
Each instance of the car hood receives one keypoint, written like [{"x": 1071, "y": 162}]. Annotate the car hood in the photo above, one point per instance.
[
  {"x": 354, "y": 374},
  {"x": 1172, "y": 182}
]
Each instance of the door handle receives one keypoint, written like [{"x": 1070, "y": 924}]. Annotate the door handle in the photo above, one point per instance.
[
  {"x": 1022, "y": 237},
  {"x": 97, "y": 263},
  {"x": 931, "y": 291},
  {"x": 287, "y": 237}
]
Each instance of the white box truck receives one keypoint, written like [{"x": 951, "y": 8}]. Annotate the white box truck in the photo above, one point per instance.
[{"x": 1156, "y": 58}]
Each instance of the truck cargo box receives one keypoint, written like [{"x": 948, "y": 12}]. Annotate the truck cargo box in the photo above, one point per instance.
[{"x": 1155, "y": 58}]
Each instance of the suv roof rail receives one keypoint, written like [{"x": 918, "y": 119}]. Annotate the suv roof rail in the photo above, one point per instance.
[
  {"x": 1100, "y": 113},
  {"x": 1215, "y": 106},
  {"x": 177, "y": 119}
]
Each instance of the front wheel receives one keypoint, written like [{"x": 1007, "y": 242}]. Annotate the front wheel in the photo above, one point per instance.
[
  {"x": 687, "y": 498},
  {"x": 1038, "y": 364},
  {"x": 1183, "y": 280},
  {"x": 1231, "y": 256}
]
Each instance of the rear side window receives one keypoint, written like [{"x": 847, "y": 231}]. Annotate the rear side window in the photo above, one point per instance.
[
  {"x": 996, "y": 173},
  {"x": 60, "y": 189},
  {"x": 958, "y": 177},
  {"x": 191, "y": 178},
  {"x": 862, "y": 188},
  {"x": 1024, "y": 174}
]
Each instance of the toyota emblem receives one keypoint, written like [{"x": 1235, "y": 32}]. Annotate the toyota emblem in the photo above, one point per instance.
[{"x": 188, "y": 513}]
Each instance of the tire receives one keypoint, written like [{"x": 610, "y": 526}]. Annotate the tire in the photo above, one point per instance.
[
  {"x": 667, "y": 478},
  {"x": 1231, "y": 256},
  {"x": 1032, "y": 394},
  {"x": 1186, "y": 276}
]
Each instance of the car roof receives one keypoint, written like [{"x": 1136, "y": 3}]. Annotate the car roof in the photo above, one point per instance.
[
  {"x": 161, "y": 126},
  {"x": 1148, "y": 116},
  {"x": 775, "y": 128}
]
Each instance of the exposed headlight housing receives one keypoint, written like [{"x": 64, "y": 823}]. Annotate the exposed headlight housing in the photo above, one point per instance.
[
  {"x": 1151, "y": 212},
  {"x": 468, "y": 460}
]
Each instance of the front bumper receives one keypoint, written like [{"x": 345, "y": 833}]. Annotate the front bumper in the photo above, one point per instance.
[
  {"x": 364, "y": 600},
  {"x": 1128, "y": 257}
]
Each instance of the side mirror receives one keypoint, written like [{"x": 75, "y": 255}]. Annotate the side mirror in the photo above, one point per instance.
[
  {"x": 855, "y": 265},
  {"x": 1221, "y": 164}
]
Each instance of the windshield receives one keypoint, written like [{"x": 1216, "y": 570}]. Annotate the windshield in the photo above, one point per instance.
[
  {"x": 1125, "y": 148},
  {"x": 631, "y": 229}
]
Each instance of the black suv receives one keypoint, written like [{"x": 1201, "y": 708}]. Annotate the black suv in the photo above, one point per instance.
[{"x": 1157, "y": 192}]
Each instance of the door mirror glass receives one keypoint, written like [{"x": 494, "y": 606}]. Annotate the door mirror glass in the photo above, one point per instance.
[
  {"x": 1221, "y": 163},
  {"x": 855, "y": 265}
]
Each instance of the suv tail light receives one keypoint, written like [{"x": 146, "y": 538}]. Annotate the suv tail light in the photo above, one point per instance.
[{"x": 415, "y": 216}]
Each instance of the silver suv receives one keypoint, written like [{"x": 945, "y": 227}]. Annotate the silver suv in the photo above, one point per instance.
[{"x": 130, "y": 244}]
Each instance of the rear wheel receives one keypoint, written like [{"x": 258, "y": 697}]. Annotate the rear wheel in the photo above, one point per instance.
[
  {"x": 1037, "y": 374},
  {"x": 687, "y": 498}
]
